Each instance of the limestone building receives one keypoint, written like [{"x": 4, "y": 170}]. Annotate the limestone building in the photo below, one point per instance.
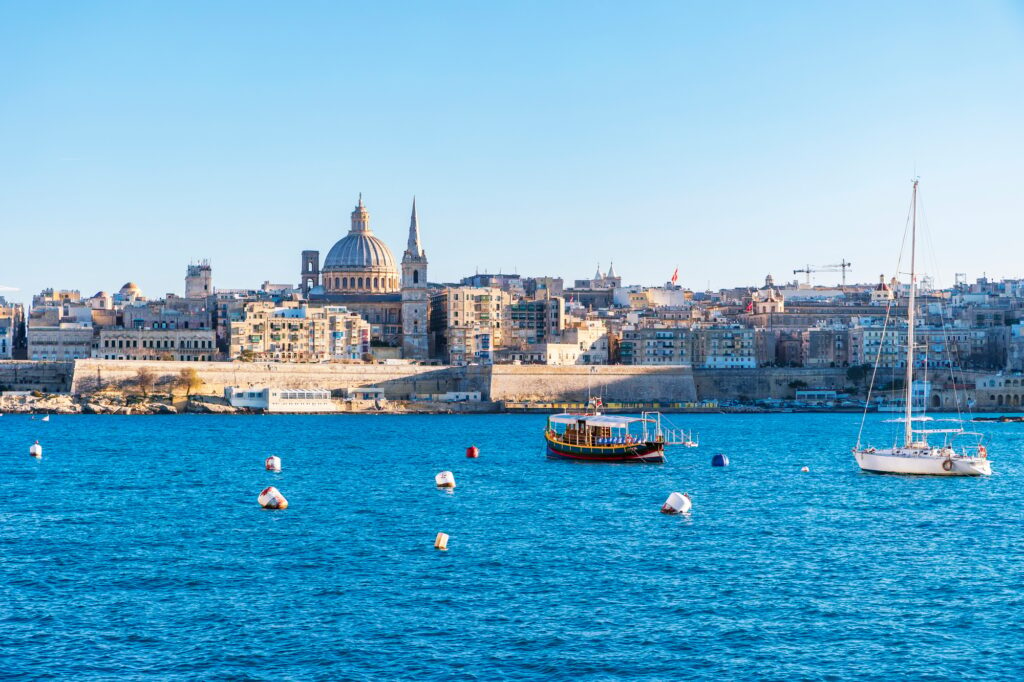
[
  {"x": 360, "y": 273},
  {"x": 467, "y": 323},
  {"x": 199, "y": 280},
  {"x": 294, "y": 332},
  {"x": 142, "y": 343},
  {"x": 768, "y": 300},
  {"x": 11, "y": 321}
]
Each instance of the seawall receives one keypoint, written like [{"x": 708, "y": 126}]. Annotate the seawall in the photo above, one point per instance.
[
  {"x": 765, "y": 382},
  {"x": 503, "y": 382},
  {"x": 31, "y": 375},
  {"x": 612, "y": 383}
]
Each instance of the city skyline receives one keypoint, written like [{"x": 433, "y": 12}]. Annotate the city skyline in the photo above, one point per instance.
[{"x": 538, "y": 140}]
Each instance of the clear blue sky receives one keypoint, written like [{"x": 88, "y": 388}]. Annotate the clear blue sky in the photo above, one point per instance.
[{"x": 732, "y": 139}]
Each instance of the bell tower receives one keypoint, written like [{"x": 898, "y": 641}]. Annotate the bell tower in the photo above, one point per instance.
[
  {"x": 310, "y": 276},
  {"x": 415, "y": 294}
]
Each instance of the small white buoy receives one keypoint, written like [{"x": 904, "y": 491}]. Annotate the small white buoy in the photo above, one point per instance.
[
  {"x": 441, "y": 542},
  {"x": 273, "y": 463},
  {"x": 36, "y": 450},
  {"x": 271, "y": 498},
  {"x": 445, "y": 479},
  {"x": 804, "y": 470},
  {"x": 677, "y": 503}
]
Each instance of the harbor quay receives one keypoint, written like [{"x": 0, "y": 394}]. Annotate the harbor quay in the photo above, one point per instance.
[{"x": 96, "y": 385}]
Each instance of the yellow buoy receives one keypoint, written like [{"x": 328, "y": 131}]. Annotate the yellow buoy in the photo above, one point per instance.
[{"x": 441, "y": 542}]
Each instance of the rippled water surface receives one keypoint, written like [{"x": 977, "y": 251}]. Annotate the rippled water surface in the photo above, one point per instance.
[{"x": 135, "y": 549}]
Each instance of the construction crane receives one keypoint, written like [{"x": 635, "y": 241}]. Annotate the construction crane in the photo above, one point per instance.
[{"x": 841, "y": 266}]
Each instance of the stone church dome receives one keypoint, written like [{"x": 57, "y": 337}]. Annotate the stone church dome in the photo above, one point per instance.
[
  {"x": 360, "y": 262},
  {"x": 359, "y": 250}
]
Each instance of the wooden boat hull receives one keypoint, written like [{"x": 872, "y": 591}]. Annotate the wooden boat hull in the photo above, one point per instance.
[{"x": 653, "y": 453}]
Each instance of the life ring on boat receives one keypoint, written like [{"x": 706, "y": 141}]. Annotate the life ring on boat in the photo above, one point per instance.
[
  {"x": 947, "y": 464},
  {"x": 982, "y": 451}
]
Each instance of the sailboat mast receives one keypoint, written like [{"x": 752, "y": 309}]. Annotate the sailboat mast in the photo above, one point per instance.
[{"x": 908, "y": 427}]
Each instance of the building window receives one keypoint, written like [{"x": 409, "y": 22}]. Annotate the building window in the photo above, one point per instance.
[{"x": 415, "y": 276}]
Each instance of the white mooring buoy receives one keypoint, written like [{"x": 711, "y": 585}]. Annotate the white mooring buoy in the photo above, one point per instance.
[
  {"x": 804, "y": 470},
  {"x": 36, "y": 450},
  {"x": 677, "y": 503},
  {"x": 273, "y": 463},
  {"x": 271, "y": 498},
  {"x": 445, "y": 479},
  {"x": 441, "y": 542}
]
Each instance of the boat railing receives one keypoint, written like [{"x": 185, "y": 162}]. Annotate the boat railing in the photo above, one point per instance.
[{"x": 675, "y": 437}]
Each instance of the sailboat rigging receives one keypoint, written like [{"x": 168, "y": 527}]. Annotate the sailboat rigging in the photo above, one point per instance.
[{"x": 916, "y": 455}]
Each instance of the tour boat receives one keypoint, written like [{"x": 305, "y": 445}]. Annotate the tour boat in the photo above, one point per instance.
[
  {"x": 915, "y": 455},
  {"x": 598, "y": 437}
]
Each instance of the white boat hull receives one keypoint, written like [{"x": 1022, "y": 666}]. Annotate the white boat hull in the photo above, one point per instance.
[{"x": 922, "y": 462}]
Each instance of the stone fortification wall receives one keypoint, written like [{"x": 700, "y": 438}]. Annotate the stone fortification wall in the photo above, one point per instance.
[
  {"x": 765, "y": 382},
  {"x": 502, "y": 382},
  {"x": 398, "y": 381},
  {"x": 612, "y": 383},
  {"x": 28, "y": 375}
]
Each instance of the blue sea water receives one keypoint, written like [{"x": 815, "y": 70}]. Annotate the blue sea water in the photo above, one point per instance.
[{"x": 135, "y": 549}]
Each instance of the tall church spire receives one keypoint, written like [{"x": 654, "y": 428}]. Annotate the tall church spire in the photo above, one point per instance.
[{"x": 413, "y": 248}]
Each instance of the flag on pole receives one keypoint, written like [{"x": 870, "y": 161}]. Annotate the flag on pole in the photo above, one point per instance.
[{"x": 675, "y": 275}]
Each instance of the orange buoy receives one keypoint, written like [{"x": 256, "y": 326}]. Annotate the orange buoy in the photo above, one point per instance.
[
  {"x": 472, "y": 452},
  {"x": 271, "y": 498},
  {"x": 441, "y": 542},
  {"x": 273, "y": 463}
]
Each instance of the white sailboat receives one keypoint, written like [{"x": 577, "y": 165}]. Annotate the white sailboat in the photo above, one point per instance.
[{"x": 915, "y": 455}]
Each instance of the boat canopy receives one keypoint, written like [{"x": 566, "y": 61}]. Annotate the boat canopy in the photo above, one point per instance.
[{"x": 606, "y": 420}]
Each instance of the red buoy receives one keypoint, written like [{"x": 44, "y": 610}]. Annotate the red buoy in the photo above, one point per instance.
[{"x": 472, "y": 452}]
